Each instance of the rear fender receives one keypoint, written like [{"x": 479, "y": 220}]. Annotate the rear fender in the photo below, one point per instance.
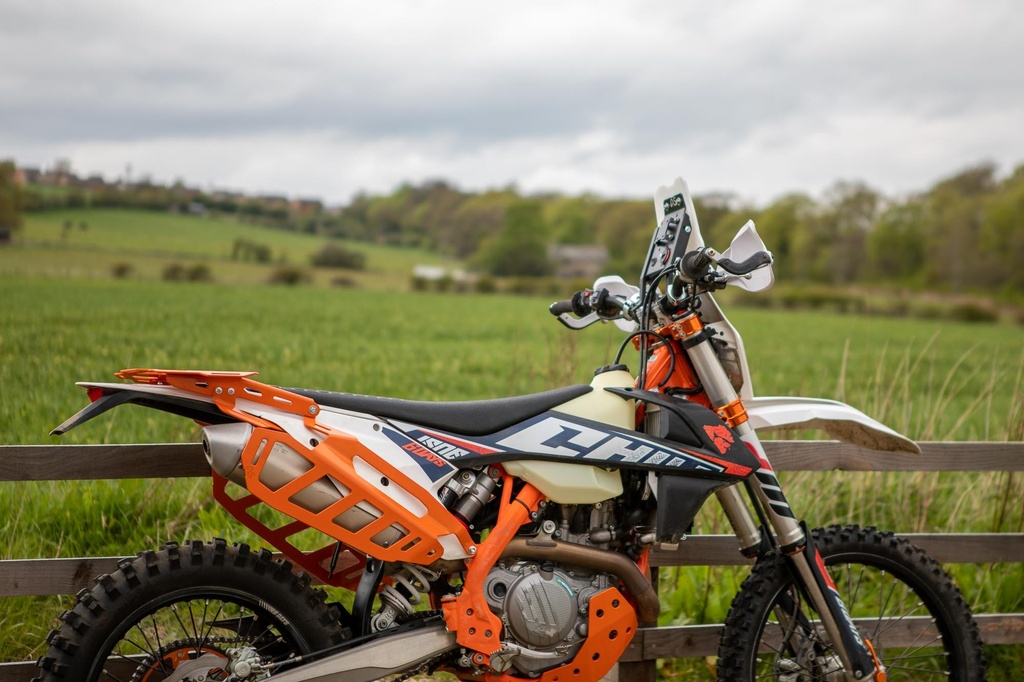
[
  {"x": 839, "y": 420},
  {"x": 164, "y": 398}
]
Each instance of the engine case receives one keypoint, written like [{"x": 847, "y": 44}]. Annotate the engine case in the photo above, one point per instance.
[{"x": 544, "y": 609}]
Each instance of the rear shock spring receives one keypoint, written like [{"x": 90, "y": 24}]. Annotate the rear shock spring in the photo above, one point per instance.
[{"x": 400, "y": 598}]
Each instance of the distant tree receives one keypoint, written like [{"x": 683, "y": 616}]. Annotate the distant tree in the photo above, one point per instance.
[
  {"x": 1002, "y": 234},
  {"x": 384, "y": 220},
  {"x": 10, "y": 201},
  {"x": 337, "y": 256},
  {"x": 289, "y": 275},
  {"x": 849, "y": 213},
  {"x": 520, "y": 249},
  {"x": 625, "y": 227},
  {"x": 787, "y": 230},
  {"x": 954, "y": 217},
  {"x": 572, "y": 222},
  {"x": 476, "y": 219},
  {"x": 896, "y": 246},
  {"x": 246, "y": 250}
]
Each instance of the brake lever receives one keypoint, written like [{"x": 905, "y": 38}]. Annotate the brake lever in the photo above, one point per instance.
[{"x": 578, "y": 322}]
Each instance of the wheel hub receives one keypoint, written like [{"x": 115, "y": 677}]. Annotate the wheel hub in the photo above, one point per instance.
[
  {"x": 206, "y": 668},
  {"x": 186, "y": 663}
]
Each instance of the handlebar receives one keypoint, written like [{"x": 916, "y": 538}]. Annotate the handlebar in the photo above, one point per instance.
[
  {"x": 584, "y": 302},
  {"x": 695, "y": 266},
  {"x": 703, "y": 267}
]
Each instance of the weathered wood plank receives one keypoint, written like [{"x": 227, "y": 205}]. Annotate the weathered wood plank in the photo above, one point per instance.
[
  {"x": 92, "y": 462},
  {"x": 935, "y": 456},
  {"x": 164, "y": 460},
  {"x": 698, "y": 640},
  {"x": 34, "y": 577},
  {"x": 22, "y": 672},
  {"x": 38, "y": 577},
  {"x": 947, "y": 548},
  {"x": 702, "y": 640}
]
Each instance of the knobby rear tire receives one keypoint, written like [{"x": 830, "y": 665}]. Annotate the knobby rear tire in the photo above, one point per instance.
[
  {"x": 882, "y": 579},
  {"x": 182, "y": 602}
]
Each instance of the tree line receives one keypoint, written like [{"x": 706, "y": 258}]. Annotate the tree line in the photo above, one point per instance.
[{"x": 963, "y": 234}]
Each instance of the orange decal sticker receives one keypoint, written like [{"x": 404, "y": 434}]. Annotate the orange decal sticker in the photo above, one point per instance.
[{"x": 720, "y": 436}]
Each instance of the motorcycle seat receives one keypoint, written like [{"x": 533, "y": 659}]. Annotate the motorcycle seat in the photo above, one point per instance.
[{"x": 468, "y": 418}]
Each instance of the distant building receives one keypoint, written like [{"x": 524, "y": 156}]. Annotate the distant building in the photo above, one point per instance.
[
  {"x": 273, "y": 200},
  {"x": 429, "y": 273},
  {"x": 94, "y": 183},
  {"x": 578, "y": 261},
  {"x": 26, "y": 176},
  {"x": 306, "y": 207}
]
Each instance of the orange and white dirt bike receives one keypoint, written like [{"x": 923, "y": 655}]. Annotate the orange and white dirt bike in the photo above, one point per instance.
[{"x": 507, "y": 540}]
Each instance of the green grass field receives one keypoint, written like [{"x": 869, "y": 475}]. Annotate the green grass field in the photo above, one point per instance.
[{"x": 931, "y": 380}]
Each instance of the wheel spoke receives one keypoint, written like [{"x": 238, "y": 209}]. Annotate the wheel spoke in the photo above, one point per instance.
[{"x": 901, "y": 599}]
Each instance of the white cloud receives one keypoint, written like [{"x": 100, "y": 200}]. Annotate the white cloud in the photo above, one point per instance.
[{"x": 327, "y": 98}]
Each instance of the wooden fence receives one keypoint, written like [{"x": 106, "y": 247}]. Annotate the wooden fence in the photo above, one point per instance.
[{"x": 26, "y": 577}]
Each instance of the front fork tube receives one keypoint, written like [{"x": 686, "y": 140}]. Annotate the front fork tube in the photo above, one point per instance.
[
  {"x": 796, "y": 543},
  {"x": 792, "y": 535}
]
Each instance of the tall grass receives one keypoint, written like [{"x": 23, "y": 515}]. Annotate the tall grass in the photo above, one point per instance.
[{"x": 931, "y": 381}]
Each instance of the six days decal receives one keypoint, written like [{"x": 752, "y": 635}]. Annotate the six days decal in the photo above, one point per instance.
[{"x": 434, "y": 465}]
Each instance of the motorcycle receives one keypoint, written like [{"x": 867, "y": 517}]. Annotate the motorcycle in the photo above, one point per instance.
[{"x": 508, "y": 540}]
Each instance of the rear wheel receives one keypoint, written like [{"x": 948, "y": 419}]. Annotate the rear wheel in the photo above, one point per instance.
[
  {"x": 185, "y": 613},
  {"x": 902, "y": 601}
]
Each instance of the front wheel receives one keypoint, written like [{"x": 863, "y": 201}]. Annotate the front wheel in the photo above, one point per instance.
[
  {"x": 188, "y": 613},
  {"x": 901, "y": 600}
]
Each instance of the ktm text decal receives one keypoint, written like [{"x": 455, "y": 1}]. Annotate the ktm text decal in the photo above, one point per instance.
[{"x": 554, "y": 436}]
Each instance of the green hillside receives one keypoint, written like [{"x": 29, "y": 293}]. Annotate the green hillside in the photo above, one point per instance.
[{"x": 92, "y": 242}]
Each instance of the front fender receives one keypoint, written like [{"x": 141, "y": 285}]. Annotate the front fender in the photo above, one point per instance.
[{"x": 839, "y": 420}]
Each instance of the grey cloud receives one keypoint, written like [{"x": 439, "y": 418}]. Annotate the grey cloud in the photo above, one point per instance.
[{"x": 655, "y": 75}]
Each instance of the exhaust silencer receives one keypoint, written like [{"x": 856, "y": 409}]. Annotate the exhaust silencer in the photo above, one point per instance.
[{"x": 223, "y": 445}]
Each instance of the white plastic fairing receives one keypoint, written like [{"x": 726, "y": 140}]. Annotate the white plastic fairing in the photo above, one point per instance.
[
  {"x": 744, "y": 245},
  {"x": 839, "y": 420},
  {"x": 369, "y": 473},
  {"x": 664, "y": 193},
  {"x": 714, "y": 317},
  {"x": 616, "y": 286}
]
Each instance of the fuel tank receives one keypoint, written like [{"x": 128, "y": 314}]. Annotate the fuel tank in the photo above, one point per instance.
[{"x": 569, "y": 482}]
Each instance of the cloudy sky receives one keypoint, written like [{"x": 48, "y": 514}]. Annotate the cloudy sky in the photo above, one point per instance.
[{"x": 329, "y": 98}]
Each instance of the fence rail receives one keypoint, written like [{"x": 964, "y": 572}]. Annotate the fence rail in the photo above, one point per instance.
[{"x": 34, "y": 577}]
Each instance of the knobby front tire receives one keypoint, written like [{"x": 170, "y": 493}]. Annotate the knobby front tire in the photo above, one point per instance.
[
  {"x": 772, "y": 633},
  {"x": 186, "y": 606}
]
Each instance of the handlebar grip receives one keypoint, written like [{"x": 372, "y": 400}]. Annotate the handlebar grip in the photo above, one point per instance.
[
  {"x": 579, "y": 305},
  {"x": 695, "y": 264},
  {"x": 759, "y": 259},
  {"x": 560, "y": 307}
]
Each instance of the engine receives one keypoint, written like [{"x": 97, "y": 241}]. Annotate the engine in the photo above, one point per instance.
[
  {"x": 544, "y": 609},
  {"x": 544, "y": 605}
]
